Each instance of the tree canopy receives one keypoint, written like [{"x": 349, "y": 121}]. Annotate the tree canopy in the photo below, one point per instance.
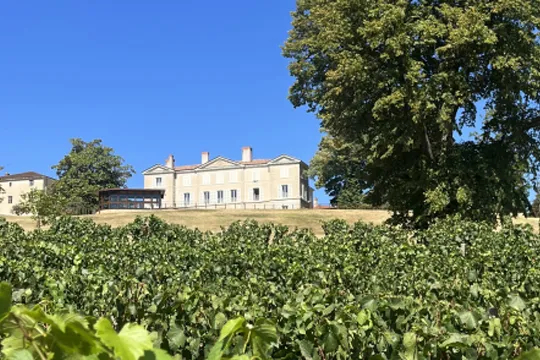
[
  {"x": 88, "y": 168},
  {"x": 337, "y": 167},
  {"x": 42, "y": 205},
  {"x": 403, "y": 81}
]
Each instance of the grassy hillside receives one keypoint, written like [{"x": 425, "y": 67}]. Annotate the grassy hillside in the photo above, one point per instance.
[{"x": 213, "y": 219}]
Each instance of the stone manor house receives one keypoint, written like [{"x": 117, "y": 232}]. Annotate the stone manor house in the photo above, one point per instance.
[
  {"x": 279, "y": 183},
  {"x": 14, "y": 185},
  {"x": 219, "y": 183}
]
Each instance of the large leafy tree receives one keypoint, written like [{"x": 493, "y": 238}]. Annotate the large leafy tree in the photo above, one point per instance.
[
  {"x": 89, "y": 167},
  {"x": 401, "y": 80},
  {"x": 337, "y": 168}
]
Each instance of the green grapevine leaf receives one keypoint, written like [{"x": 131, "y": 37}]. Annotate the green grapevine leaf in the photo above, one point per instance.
[
  {"x": 219, "y": 320},
  {"x": 409, "y": 345},
  {"x": 457, "y": 340},
  {"x": 468, "y": 319},
  {"x": 176, "y": 337},
  {"x": 156, "y": 354},
  {"x": 217, "y": 351},
  {"x": 530, "y": 355},
  {"x": 364, "y": 319},
  {"x": 329, "y": 309},
  {"x": 263, "y": 335},
  {"x": 21, "y": 354},
  {"x": 129, "y": 344},
  {"x": 331, "y": 338},
  {"x": 517, "y": 302},
  {"x": 232, "y": 327},
  {"x": 13, "y": 342},
  {"x": 494, "y": 327},
  {"x": 5, "y": 299},
  {"x": 306, "y": 349}
]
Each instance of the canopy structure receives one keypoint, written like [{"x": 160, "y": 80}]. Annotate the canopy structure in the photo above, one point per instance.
[{"x": 113, "y": 199}]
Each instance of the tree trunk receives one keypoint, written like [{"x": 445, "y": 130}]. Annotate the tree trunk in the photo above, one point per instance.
[{"x": 428, "y": 144}]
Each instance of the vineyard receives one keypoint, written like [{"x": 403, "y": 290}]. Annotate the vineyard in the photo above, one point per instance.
[{"x": 455, "y": 291}]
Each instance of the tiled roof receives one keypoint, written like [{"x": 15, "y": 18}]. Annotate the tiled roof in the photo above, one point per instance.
[
  {"x": 186, "y": 167},
  {"x": 253, "y": 162},
  {"x": 29, "y": 175}
]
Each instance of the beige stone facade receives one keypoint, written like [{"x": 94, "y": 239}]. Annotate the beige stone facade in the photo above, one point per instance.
[
  {"x": 278, "y": 183},
  {"x": 13, "y": 186}
]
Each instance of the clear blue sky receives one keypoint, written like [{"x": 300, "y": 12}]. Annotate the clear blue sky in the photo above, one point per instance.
[{"x": 149, "y": 78}]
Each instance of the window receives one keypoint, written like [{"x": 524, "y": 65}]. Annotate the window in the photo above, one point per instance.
[
  {"x": 304, "y": 192},
  {"x": 186, "y": 180},
  {"x": 206, "y": 179},
  {"x": 159, "y": 181},
  {"x": 206, "y": 197},
  {"x": 284, "y": 191},
  {"x": 10, "y": 184},
  {"x": 187, "y": 199},
  {"x": 285, "y": 207},
  {"x": 219, "y": 178},
  {"x": 284, "y": 172},
  {"x": 220, "y": 196},
  {"x": 256, "y": 194},
  {"x": 31, "y": 182},
  {"x": 234, "y": 196},
  {"x": 233, "y": 176},
  {"x": 10, "y": 199},
  {"x": 255, "y": 175}
]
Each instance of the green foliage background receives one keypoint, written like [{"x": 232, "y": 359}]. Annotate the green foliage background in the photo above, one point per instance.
[
  {"x": 29, "y": 333},
  {"x": 86, "y": 169},
  {"x": 458, "y": 290},
  {"x": 43, "y": 205},
  {"x": 394, "y": 85}
]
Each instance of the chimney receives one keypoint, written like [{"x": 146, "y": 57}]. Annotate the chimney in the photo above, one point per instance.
[
  {"x": 205, "y": 156},
  {"x": 170, "y": 162},
  {"x": 247, "y": 154}
]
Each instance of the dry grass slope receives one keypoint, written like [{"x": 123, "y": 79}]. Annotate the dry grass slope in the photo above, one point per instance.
[{"x": 213, "y": 220}]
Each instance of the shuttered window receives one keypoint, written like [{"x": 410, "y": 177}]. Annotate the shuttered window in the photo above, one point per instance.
[
  {"x": 255, "y": 175},
  {"x": 284, "y": 191},
  {"x": 186, "y": 180},
  {"x": 206, "y": 179},
  {"x": 255, "y": 194}
]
